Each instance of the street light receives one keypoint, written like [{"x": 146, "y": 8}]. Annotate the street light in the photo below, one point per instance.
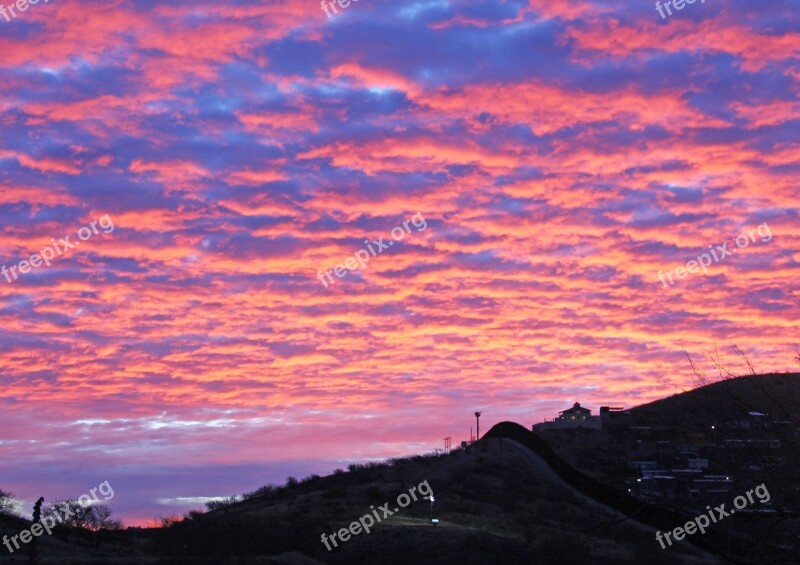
[
  {"x": 432, "y": 501},
  {"x": 478, "y": 426}
]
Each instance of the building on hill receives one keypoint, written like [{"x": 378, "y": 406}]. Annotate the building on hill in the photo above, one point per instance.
[
  {"x": 573, "y": 418},
  {"x": 751, "y": 419},
  {"x": 697, "y": 463},
  {"x": 609, "y": 414},
  {"x": 577, "y": 412}
]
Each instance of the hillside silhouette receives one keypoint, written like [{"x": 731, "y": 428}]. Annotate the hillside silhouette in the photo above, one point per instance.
[{"x": 515, "y": 496}]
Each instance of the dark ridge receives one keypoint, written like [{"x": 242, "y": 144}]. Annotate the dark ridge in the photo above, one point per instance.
[
  {"x": 612, "y": 497},
  {"x": 776, "y": 394}
]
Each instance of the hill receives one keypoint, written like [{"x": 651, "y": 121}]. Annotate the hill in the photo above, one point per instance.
[
  {"x": 702, "y": 448},
  {"x": 513, "y": 497},
  {"x": 775, "y": 394},
  {"x": 496, "y": 502}
]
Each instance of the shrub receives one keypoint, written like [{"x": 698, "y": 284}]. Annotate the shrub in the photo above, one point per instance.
[
  {"x": 219, "y": 504},
  {"x": 261, "y": 492},
  {"x": 309, "y": 479},
  {"x": 168, "y": 521}
]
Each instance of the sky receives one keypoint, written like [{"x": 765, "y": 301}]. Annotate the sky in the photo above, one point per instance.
[{"x": 227, "y": 321}]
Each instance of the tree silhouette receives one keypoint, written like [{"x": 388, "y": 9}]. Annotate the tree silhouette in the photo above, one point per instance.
[
  {"x": 89, "y": 517},
  {"x": 7, "y": 503}
]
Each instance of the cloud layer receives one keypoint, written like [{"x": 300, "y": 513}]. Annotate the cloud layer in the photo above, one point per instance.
[{"x": 561, "y": 153}]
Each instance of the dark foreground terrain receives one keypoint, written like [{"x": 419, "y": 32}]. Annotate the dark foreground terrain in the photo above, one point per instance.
[{"x": 514, "y": 497}]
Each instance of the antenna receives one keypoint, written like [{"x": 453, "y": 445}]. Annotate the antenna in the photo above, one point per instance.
[{"x": 478, "y": 426}]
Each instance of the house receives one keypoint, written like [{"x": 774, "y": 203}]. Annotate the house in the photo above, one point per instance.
[
  {"x": 711, "y": 484},
  {"x": 751, "y": 420},
  {"x": 576, "y": 413},
  {"x": 576, "y": 417},
  {"x": 761, "y": 443},
  {"x": 642, "y": 465},
  {"x": 697, "y": 463},
  {"x": 609, "y": 414}
]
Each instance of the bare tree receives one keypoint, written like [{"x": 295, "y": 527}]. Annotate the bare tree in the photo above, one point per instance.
[
  {"x": 70, "y": 513},
  {"x": 103, "y": 518},
  {"x": 8, "y": 505},
  {"x": 89, "y": 517}
]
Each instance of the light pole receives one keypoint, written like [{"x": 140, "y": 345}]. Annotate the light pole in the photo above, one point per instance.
[
  {"x": 432, "y": 501},
  {"x": 478, "y": 426}
]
